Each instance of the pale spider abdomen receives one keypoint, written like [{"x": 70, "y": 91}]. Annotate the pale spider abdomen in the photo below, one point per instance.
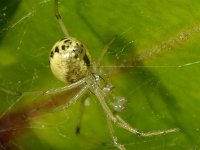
[{"x": 69, "y": 60}]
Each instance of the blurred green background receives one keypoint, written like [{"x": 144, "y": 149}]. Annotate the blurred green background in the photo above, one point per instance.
[{"x": 161, "y": 95}]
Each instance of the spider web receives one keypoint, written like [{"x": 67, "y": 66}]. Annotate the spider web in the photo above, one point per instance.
[{"x": 154, "y": 63}]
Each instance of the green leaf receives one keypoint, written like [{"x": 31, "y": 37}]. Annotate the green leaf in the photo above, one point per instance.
[{"x": 158, "y": 42}]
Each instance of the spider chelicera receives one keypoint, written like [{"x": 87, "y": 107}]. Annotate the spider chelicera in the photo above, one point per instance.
[{"x": 71, "y": 62}]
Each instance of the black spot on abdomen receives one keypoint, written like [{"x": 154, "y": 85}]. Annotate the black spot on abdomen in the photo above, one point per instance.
[
  {"x": 66, "y": 41},
  {"x": 86, "y": 60},
  {"x": 63, "y": 47},
  {"x": 57, "y": 49},
  {"x": 51, "y": 55}
]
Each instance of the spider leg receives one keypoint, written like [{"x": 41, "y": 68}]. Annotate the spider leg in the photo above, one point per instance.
[
  {"x": 48, "y": 92},
  {"x": 104, "y": 50},
  {"x": 10, "y": 92},
  {"x": 116, "y": 119},
  {"x": 74, "y": 99},
  {"x": 59, "y": 19},
  {"x": 113, "y": 136},
  {"x": 92, "y": 139},
  {"x": 122, "y": 124},
  {"x": 78, "y": 126},
  {"x": 20, "y": 95},
  {"x": 81, "y": 113}
]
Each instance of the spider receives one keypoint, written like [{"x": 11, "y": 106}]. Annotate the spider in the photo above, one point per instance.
[{"x": 71, "y": 63}]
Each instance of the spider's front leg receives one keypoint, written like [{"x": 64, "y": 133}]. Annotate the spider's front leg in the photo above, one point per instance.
[
  {"x": 20, "y": 95},
  {"x": 47, "y": 92}
]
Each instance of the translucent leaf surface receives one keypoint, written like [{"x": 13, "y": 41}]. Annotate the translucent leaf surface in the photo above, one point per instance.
[{"x": 158, "y": 43}]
